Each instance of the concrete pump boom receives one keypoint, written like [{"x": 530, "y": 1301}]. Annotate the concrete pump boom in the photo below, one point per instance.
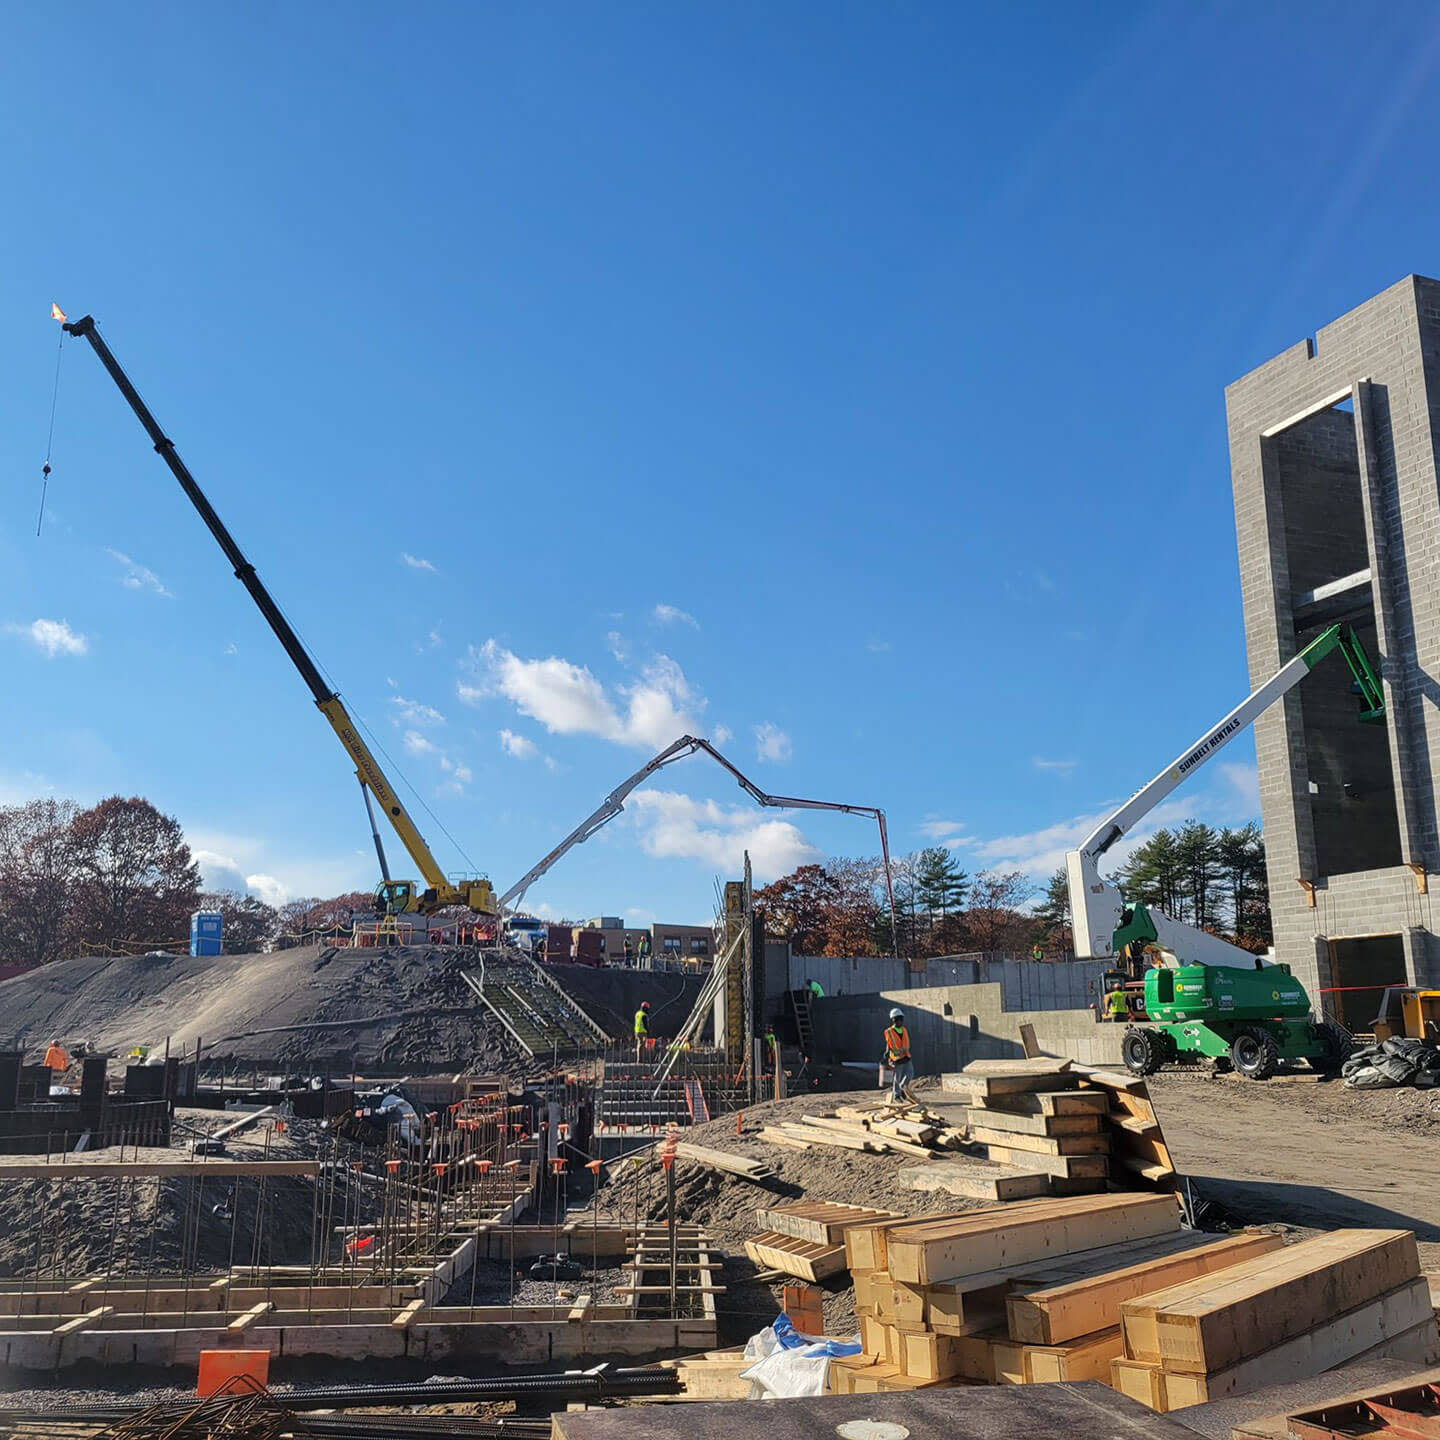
[
  {"x": 614, "y": 803},
  {"x": 392, "y": 895},
  {"x": 1102, "y": 921}
]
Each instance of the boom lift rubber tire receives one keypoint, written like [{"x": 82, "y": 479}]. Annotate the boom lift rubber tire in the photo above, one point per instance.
[
  {"x": 1254, "y": 1053},
  {"x": 1142, "y": 1050},
  {"x": 1338, "y": 1043},
  {"x": 1169, "y": 1049}
]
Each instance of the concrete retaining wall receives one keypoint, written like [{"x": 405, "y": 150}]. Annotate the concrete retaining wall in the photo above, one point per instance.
[{"x": 950, "y": 1025}]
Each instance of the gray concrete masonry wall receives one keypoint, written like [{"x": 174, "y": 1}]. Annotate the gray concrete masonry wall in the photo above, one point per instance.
[
  {"x": 950, "y": 1025},
  {"x": 1287, "y": 454},
  {"x": 1026, "y": 984}
]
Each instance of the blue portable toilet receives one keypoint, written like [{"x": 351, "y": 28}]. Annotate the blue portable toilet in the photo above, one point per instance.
[{"x": 205, "y": 932}]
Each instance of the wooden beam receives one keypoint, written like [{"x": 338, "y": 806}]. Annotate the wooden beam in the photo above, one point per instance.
[
  {"x": 1402, "y": 1321},
  {"x": 85, "y": 1321},
  {"x": 127, "y": 1169},
  {"x": 1059, "y": 1313},
  {"x": 407, "y": 1316},
  {"x": 245, "y": 1321},
  {"x": 1216, "y": 1321},
  {"x": 1026, "y": 1232}
]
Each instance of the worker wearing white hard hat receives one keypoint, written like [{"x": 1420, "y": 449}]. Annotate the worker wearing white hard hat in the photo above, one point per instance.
[{"x": 897, "y": 1054}]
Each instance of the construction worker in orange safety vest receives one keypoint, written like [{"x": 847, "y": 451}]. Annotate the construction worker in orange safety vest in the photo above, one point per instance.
[
  {"x": 56, "y": 1059},
  {"x": 897, "y": 1054}
]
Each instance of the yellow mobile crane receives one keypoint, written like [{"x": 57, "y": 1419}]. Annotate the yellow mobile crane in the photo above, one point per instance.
[{"x": 392, "y": 897}]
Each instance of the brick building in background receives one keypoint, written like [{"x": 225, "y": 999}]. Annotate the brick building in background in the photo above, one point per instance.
[{"x": 1333, "y": 453}]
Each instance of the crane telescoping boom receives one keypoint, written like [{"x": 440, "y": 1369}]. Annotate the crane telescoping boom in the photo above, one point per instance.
[
  {"x": 392, "y": 896},
  {"x": 1103, "y": 922}
]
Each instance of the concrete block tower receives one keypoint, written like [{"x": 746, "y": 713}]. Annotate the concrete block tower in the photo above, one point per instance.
[{"x": 1336, "y": 475}]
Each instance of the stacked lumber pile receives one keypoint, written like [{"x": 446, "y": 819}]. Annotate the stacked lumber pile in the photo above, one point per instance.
[
  {"x": 713, "y": 1375},
  {"x": 901, "y": 1129},
  {"x": 1081, "y": 1127},
  {"x": 807, "y": 1239},
  {"x": 931, "y": 1292},
  {"x": 1281, "y": 1316}
]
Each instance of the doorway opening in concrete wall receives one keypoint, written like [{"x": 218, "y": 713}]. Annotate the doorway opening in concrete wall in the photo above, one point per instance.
[
  {"x": 1360, "y": 969},
  {"x": 1344, "y": 766}
]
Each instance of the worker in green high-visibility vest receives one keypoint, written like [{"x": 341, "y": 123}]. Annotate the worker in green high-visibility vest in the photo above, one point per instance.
[{"x": 642, "y": 1028}]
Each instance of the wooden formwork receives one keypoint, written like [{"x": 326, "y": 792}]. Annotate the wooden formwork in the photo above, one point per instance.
[{"x": 291, "y": 1311}]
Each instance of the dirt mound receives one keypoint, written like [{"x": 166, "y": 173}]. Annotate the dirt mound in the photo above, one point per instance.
[{"x": 400, "y": 1007}]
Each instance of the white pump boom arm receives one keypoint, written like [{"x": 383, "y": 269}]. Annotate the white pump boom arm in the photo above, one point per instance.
[
  {"x": 1096, "y": 905},
  {"x": 614, "y": 803}
]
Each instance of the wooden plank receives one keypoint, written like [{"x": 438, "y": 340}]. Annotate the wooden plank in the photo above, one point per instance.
[
  {"x": 404, "y": 1319},
  {"x": 815, "y": 1135},
  {"x": 86, "y": 1321},
  {"x": 774, "y": 1136},
  {"x": 208, "y": 1169},
  {"x": 820, "y": 1224},
  {"x": 1051, "y": 1102},
  {"x": 1402, "y": 1315},
  {"x": 1019, "y": 1123},
  {"x": 1042, "y": 1065},
  {"x": 579, "y": 1310},
  {"x": 1019, "y": 1237},
  {"x": 1058, "y": 1313},
  {"x": 872, "y": 1337},
  {"x": 977, "y": 1178},
  {"x": 1068, "y": 1167},
  {"x": 1215, "y": 1321},
  {"x": 1098, "y": 1144},
  {"x": 1087, "y": 1357},
  {"x": 991, "y": 1087},
  {"x": 852, "y": 1131},
  {"x": 245, "y": 1321},
  {"x": 795, "y": 1257},
  {"x": 741, "y": 1165},
  {"x": 1140, "y": 1381}
]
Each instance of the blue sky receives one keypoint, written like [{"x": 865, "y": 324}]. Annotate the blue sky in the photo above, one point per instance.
[{"x": 843, "y": 380}]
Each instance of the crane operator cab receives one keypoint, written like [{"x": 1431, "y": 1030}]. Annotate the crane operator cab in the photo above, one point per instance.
[{"x": 395, "y": 897}]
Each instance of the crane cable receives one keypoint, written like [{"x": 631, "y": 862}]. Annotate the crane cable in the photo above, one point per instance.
[
  {"x": 50, "y": 438},
  {"x": 375, "y": 740}
]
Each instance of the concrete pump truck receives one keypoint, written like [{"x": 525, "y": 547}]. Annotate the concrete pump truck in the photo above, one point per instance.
[
  {"x": 392, "y": 897},
  {"x": 1207, "y": 998}
]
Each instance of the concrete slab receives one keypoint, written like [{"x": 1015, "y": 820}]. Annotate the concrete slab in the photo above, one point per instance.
[{"x": 1084, "y": 1410}]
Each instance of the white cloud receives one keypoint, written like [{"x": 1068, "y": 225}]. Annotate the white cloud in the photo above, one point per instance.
[
  {"x": 939, "y": 829},
  {"x": 433, "y": 641},
  {"x": 54, "y": 637},
  {"x": 722, "y": 734},
  {"x": 673, "y": 615},
  {"x": 521, "y": 747},
  {"x": 615, "y": 643},
  {"x": 772, "y": 743},
  {"x": 417, "y": 744},
  {"x": 460, "y": 773},
  {"x": 412, "y": 712},
  {"x": 1041, "y": 852},
  {"x": 224, "y": 872},
  {"x": 138, "y": 576},
  {"x": 878, "y": 647},
  {"x": 567, "y": 699},
  {"x": 675, "y": 826},
  {"x": 416, "y": 563},
  {"x": 1061, "y": 767},
  {"x": 231, "y": 648}
]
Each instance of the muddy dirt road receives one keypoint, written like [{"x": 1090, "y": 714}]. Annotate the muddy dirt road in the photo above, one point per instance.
[{"x": 1308, "y": 1154}]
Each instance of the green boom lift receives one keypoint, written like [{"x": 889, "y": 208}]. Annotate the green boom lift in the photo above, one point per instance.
[{"x": 1215, "y": 1000}]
